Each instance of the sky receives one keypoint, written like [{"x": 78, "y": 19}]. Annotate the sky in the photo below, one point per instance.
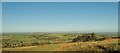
[
  {"x": 0, "y": 17},
  {"x": 60, "y": 16},
  {"x": 60, "y": 0}
]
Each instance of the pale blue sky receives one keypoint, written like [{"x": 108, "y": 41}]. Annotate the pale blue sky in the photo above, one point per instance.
[
  {"x": 0, "y": 17},
  {"x": 60, "y": 0},
  {"x": 53, "y": 17}
]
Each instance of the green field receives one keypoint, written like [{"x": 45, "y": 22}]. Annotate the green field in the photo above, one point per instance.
[{"x": 60, "y": 42}]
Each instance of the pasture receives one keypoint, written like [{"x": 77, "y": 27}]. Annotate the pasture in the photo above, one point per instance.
[{"x": 60, "y": 42}]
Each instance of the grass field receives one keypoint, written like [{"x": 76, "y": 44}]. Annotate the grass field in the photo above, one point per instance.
[{"x": 58, "y": 42}]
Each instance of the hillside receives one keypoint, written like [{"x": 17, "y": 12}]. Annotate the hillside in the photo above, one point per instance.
[{"x": 108, "y": 44}]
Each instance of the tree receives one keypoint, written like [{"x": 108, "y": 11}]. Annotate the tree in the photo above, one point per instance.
[{"x": 85, "y": 37}]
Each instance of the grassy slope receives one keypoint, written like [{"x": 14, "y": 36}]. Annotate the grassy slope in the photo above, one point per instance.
[
  {"x": 90, "y": 46},
  {"x": 79, "y": 46}
]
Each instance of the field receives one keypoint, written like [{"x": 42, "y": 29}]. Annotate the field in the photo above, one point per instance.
[{"x": 60, "y": 42}]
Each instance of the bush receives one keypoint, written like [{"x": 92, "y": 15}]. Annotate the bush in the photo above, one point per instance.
[
  {"x": 85, "y": 37},
  {"x": 64, "y": 35},
  {"x": 35, "y": 43}
]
